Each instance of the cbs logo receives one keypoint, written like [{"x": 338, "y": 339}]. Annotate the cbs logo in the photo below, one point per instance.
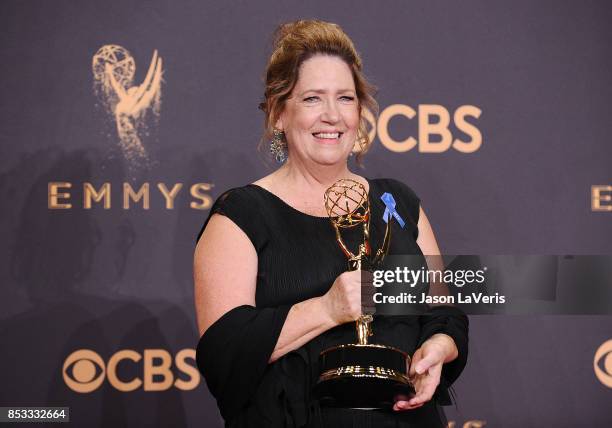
[
  {"x": 84, "y": 370},
  {"x": 432, "y": 120},
  {"x": 602, "y": 363}
]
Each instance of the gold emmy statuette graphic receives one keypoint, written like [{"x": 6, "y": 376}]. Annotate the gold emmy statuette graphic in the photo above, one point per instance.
[
  {"x": 360, "y": 375},
  {"x": 113, "y": 70}
]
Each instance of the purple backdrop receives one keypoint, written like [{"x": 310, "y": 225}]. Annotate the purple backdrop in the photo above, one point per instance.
[{"x": 116, "y": 278}]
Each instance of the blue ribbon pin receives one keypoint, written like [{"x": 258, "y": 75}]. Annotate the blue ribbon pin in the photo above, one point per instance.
[{"x": 389, "y": 202}]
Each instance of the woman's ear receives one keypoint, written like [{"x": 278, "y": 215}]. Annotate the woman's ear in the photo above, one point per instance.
[{"x": 279, "y": 124}]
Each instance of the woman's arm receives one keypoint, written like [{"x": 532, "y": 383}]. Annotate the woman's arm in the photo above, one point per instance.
[
  {"x": 224, "y": 271},
  {"x": 427, "y": 362},
  {"x": 429, "y": 247},
  {"x": 225, "y": 274}
]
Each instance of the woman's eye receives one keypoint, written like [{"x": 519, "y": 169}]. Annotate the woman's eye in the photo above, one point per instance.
[{"x": 315, "y": 98}]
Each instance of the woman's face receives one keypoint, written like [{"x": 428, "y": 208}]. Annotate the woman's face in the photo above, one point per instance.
[{"x": 321, "y": 116}]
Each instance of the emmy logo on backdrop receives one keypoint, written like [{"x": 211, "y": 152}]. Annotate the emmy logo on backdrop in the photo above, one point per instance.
[{"x": 113, "y": 71}]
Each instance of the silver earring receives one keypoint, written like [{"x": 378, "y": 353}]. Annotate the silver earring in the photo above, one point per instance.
[{"x": 278, "y": 147}]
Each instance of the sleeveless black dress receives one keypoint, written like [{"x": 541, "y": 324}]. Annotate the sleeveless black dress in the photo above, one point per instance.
[{"x": 299, "y": 258}]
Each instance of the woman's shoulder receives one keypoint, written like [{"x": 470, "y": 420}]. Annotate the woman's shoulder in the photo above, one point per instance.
[
  {"x": 266, "y": 181},
  {"x": 397, "y": 188},
  {"x": 242, "y": 206},
  {"x": 237, "y": 195},
  {"x": 405, "y": 199}
]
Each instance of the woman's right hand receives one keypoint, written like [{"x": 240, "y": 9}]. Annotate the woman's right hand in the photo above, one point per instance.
[{"x": 343, "y": 300}]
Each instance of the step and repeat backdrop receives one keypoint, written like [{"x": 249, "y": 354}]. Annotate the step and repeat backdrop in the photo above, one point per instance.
[{"x": 122, "y": 122}]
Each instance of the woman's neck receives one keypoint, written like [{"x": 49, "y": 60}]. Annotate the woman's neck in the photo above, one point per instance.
[
  {"x": 303, "y": 188},
  {"x": 314, "y": 177}
]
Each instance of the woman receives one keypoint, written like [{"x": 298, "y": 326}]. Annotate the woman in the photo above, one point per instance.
[{"x": 271, "y": 286}]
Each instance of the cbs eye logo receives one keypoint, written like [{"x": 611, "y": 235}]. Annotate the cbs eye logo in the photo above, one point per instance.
[
  {"x": 602, "y": 363},
  {"x": 84, "y": 370}
]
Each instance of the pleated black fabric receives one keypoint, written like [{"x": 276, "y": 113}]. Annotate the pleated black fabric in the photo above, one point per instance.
[{"x": 298, "y": 258}]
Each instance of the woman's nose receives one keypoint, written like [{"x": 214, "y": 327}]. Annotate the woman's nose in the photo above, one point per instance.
[{"x": 330, "y": 112}]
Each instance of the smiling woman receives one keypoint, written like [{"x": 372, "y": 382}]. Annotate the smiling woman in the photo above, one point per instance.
[
  {"x": 321, "y": 118},
  {"x": 297, "y": 42},
  {"x": 271, "y": 285}
]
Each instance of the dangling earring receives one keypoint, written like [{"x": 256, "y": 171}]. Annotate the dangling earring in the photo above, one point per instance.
[
  {"x": 358, "y": 145},
  {"x": 360, "y": 142},
  {"x": 278, "y": 147}
]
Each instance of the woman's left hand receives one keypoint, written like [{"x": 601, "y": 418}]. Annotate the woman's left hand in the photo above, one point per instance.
[{"x": 426, "y": 368}]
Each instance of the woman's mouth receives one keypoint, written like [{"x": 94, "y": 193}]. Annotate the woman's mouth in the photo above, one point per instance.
[{"x": 327, "y": 137}]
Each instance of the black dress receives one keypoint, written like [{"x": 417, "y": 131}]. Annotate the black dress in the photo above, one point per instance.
[{"x": 299, "y": 258}]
